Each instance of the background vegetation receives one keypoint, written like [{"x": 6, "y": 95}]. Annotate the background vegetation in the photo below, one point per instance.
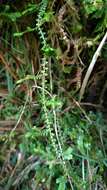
[{"x": 49, "y": 140}]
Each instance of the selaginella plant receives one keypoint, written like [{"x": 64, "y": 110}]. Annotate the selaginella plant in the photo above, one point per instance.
[{"x": 47, "y": 97}]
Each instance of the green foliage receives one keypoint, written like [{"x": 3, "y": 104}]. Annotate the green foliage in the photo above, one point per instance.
[
  {"x": 85, "y": 147},
  {"x": 13, "y": 16},
  {"x": 97, "y": 10},
  {"x": 62, "y": 147},
  {"x": 93, "y": 6}
]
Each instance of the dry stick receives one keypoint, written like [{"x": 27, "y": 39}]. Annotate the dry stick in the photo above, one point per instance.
[
  {"x": 91, "y": 66},
  {"x": 10, "y": 70},
  {"x": 20, "y": 117}
]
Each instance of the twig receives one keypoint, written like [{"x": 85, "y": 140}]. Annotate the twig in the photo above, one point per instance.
[
  {"x": 91, "y": 66},
  {"x": 20, "y": 117},
  {"x": 76, "y": 103}
]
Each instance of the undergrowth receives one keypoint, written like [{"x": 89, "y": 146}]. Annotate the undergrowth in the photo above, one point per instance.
[{"x": 48, "y": 139}]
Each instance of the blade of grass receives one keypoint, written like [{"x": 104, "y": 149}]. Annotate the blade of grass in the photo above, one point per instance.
[{"x": 91, "y": 66}]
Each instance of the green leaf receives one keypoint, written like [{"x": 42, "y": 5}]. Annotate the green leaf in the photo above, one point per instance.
[
  {"x": 29, "y": 29},
  {"x": 48, "y": 17},
  {"x": 28, "y": 77},
  {"x": 61, "y": 186},
  {"x": 31, "y": 8},
  {"x": 12, "y": 16},
  {"x": 80, "y": 143},
  {"x": 48, "y": 50},
  {"x": 62, "y": 183},
  {"x": 68, "y": 154}
]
